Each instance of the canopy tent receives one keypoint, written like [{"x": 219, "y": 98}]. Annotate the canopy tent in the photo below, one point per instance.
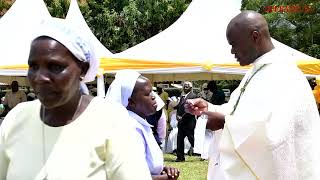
[
  {"x": 194, "y": 47},
  {"x": 16, "y": 28},
  {"x": 15, "y": 42},
  {"x": 75, "y": 17}
]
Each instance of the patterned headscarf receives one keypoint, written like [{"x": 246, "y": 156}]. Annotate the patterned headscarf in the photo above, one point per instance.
[{"x": 74, "y": 40}]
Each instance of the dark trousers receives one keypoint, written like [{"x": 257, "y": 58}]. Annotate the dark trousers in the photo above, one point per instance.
[{"x": 182, "y": 133}]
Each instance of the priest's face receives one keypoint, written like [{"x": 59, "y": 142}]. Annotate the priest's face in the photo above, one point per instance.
[{"x": 243, "y": 46}]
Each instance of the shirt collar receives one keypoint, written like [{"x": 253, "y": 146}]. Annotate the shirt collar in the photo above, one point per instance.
[
  {"x": 266, "y": 58},
  {"x": 185, "y": 95},
  {"x": 139, "y": 119}
]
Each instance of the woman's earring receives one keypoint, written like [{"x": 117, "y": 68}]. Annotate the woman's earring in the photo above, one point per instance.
[{"x": 81, "y": 78}]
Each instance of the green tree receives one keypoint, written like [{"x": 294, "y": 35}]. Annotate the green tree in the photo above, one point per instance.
[
  {"x": 299, "y": 28},
  {"x": 4, "y": 6},
  {"x": 120, "y": 24},
  {"x": 58, "y": 8}
]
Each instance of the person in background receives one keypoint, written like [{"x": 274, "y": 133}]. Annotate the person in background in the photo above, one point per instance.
[
  {"x": 2, "y": 109},
  {"x": 65, "y": 134},
  {"x": 171, "y": 143},
  {"x": 31, "y": 96},
  {"x": 158, "y": 120},
  {"x": 106, "y": 86},
  {"x": 164, "y": 96},
  {"x": 14, "y": 97},
  {"x": 218, "y": 96},
  {"x": 263, "y": 134},
  {"x": 205, "y": 93},
  {"x": 316, "y": 91},
  {"x": 186, "y": 122},
  {"x": 134, "y": 91}
]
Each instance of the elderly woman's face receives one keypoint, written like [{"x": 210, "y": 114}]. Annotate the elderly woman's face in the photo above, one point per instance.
[
  {"x": 144, "y": 100},
  {"x": 53, "y": 72}
]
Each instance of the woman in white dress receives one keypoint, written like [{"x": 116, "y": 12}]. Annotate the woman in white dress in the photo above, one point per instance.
[
  {"x": 66, "y": 134},
  {"x": 135, "y": 93}
]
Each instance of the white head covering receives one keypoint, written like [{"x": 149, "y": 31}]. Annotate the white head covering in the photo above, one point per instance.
[
  {"x": 74, "y": 40},
  {"x": 120, "y": 90},
  {"x": 122, "y": 86}
]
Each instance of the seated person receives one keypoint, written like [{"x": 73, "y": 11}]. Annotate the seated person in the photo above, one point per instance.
[
  {"x": 14, "y": 97},
  {"x": 135, "y": 93}
]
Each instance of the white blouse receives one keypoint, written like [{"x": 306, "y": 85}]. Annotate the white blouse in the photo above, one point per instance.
[{"x": 153, "y": 153}]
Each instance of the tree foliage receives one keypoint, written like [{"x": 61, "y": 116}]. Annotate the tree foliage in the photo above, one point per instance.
[
  {"x": 58, "y": 8},
  {"x": 298, "y": 26},
  {"x": 120, "y": 24},
  {"x": 4, "y": 6}
]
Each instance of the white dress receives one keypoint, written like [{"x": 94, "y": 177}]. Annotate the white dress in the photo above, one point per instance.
[
  {"x": 152, "y": 152},
  {"x": 271, "y": 135},
  {"x": 95, "y": 146}
]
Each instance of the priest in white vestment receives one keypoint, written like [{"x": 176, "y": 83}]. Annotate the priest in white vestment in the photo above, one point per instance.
[{"x": 263, "y": 133}]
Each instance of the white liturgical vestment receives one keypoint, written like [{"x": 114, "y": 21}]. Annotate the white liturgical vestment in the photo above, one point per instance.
[{"x": 275, "y": 128}]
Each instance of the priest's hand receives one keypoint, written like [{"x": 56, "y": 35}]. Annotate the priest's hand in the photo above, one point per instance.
[
  {"x": 215, "y": 120},
  {"x": 200, "y": 107},
  {"x": 196, "y": 106}
]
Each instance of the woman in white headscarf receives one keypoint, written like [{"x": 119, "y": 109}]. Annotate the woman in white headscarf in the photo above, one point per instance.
[
  {"x": 66, "y": 134},
  {"x": 134, "y": 92}
]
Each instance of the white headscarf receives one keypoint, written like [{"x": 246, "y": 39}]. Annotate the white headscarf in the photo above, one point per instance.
[
  {"x": 120, "y": 90},
  {"x": 74, "y": 40}
]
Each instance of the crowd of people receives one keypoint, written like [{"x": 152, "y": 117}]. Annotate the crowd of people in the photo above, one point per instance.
[
  {"x": 68, "y": 134},
  {"x": 14, "y": 97}
]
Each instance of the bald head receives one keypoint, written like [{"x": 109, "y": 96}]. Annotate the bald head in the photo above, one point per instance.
[
  {"x": 249, "y": 21},
  {"x": 248, "y": 33}
]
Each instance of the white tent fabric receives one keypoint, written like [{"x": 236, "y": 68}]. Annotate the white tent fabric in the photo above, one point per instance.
[
  {"x": 75, "y": 17},
  {"x": 16, "y": 28},
  {"x": 197, "y": 36}
]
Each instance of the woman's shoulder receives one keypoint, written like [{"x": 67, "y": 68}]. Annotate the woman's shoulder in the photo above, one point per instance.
[
  {"x": 21, "y": 114},
  {"x": 25, "y": 107},
  {"x": 102, "y": 103},
  {"x": 109, "y": 112}
]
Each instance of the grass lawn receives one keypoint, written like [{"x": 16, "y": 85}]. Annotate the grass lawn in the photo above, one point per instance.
[{"x": 192, "y": 169}]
